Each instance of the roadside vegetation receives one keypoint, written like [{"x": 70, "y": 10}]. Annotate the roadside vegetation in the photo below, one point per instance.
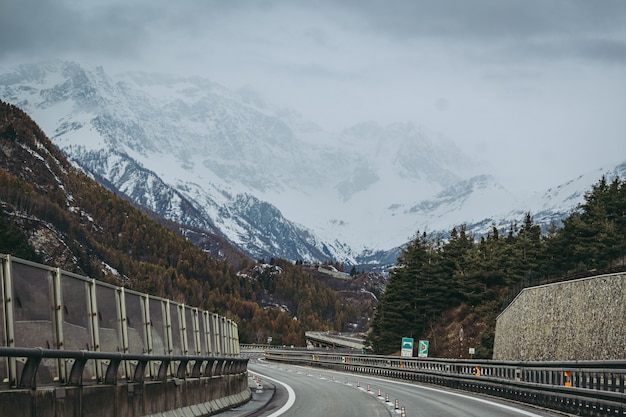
[{"x": 440, "y": 286}]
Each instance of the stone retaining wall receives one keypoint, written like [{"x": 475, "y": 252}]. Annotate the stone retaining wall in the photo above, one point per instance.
[{"x": 583, "y": 319}]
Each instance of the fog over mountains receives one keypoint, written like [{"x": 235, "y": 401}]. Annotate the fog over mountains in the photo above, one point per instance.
[{"x": 264, "y": 178}]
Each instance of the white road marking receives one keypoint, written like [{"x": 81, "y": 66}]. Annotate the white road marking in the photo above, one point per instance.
[
  {"x": 456, "y": 394},
  {"x": 290, "y": 401}
]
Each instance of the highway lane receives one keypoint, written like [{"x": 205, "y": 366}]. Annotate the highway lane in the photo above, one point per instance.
[
  {"x": 331, "y": 393},
  {"x": 315, "y": 396}
]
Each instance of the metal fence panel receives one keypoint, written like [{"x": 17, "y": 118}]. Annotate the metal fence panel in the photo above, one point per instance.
[
  {"x": 223, "y": 336},
  {"x": 33, "y": 309},
  {"x": 177, "y": 334},
  {"x": 135, "y": 323},
  {"x": 75, "y": 312},
  {"x": 215, "y": 335},
  {"x": 4, "y": 364},
  {"x": 203, "y": 321},
  {"x": 158, "y": 326},
  {"x": 33, "y": 306},
  {"x": 108, "y": 322},
  {"x": 211, "y": 335},
  {"x": 189, "y": 330},
  {"x": 77, "y": 332}
]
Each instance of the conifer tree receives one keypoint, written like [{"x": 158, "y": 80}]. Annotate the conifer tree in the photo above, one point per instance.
[{"x": 404, "y": 307}]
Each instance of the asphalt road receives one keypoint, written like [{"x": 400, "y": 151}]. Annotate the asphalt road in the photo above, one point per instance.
[{"x": 286, "y": 390}]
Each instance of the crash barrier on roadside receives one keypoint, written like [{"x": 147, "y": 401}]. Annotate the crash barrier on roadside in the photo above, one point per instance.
[
  {"x": 200, "y": 385},
  {"x": 263, "y": 348},
  {"x": 61, "y": 331},
  {"x": 591, "y": 388}
]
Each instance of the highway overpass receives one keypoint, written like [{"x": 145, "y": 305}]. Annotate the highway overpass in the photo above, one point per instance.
[{"x": 334, "y": 340}]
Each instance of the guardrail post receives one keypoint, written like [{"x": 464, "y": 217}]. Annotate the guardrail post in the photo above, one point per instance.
[
  {"x": 181, "y": 373},
  {"x": 197, "y": 366},
  {"x": 223, "y": 345},
  {"x": 147, "y": 328},
  {"x": 28, "y": 379},
  {"x": 167, "y": 317},
  {"x": 196, "y": 331},
  {"x": 76, "y": 373},
  {"x": 58, "y": 321},
  {"x": 92, "y": 305},
  {"x": 206, "y": 332},
  {"x": 147, "y": 324},
  {"x": 140, "y": 371},
  {"x": 237, "y": 347},
  {"x": 110, "y": 377},
  {"x": 208, "y": 369},
  {"x": 9, "y": 317},
  {"x": 123, "y": 325},
  {"x": 217, "y": 334},
  {"x": 182, "y": 319},
  {"x": 163, "y": 370}
]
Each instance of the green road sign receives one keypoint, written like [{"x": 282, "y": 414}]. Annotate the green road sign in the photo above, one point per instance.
[
  {"x": 422, "y": 349},
  {"x": 407, "y": 346}
]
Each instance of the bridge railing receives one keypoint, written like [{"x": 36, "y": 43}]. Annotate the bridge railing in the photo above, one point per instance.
[
  {"x": 265, "y": 347},
  {"x": 55, "y": 310},
  {"x": 583, "y": 388}
]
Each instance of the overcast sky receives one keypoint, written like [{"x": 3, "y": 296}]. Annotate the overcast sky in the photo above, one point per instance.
[{"x": 533, "y": 86}]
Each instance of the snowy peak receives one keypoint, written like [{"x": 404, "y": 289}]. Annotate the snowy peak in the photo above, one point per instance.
[
  {"x": 408, "y": 152},
  {"x": 474, "y": 191},
  {"x": 262, "y": 177}
]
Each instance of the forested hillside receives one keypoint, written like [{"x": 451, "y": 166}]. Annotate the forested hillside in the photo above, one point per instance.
[
  {"x": 439, "y": 287},
  {"x": 54, "y": 214}
]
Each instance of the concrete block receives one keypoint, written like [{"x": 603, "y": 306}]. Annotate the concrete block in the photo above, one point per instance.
[
  {"x": 17, "y": 403},
  {"x": 195, "y": 410}
]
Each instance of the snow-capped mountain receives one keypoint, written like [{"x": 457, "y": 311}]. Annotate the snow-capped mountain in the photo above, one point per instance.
[{"x": 268, "y": 181}]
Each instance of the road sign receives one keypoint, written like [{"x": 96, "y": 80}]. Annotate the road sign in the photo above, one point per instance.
[
  {"x": 422, "y": 349},
  {"x": 407, "y": 347}
]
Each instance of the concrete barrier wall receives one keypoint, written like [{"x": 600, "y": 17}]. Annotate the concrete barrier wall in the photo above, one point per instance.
[
  {"x": 583, "y": 319},
  {"x": 194, "y": 397}
]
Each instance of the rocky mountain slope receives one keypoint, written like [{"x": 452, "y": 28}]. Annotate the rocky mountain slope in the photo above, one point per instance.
[{"x": 52, "y": 213}]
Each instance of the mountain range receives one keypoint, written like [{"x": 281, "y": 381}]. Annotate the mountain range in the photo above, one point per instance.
[{"x": 273, "y": 184}]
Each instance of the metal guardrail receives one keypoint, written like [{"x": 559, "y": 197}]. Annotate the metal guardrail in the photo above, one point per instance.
[
  {"x": 247, "y": 348},
  {"x": 263, "y": 347},
  {"x": 185, "y": 366},
  {"x": 590, "y": 388}
]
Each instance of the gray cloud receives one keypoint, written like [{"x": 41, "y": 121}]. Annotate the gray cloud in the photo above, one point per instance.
[
  {"x": 488, "y": 74},
  {"x": 43, "y": 27},
  {"x": 529, "y": 29},
  {"x": 491, "y": 18}
]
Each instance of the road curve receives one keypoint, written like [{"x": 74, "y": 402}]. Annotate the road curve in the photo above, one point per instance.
[
  {"x": 322, "y": 393},
  {"x": 315, "y": 396}
]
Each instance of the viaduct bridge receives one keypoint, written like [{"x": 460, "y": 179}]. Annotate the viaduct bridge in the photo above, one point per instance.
[
  {"x": 71, "y": 345},
  {"x": 326, "y": 340}
]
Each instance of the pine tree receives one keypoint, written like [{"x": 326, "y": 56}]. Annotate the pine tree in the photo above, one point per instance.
[{"x": 409, "y": 299}]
